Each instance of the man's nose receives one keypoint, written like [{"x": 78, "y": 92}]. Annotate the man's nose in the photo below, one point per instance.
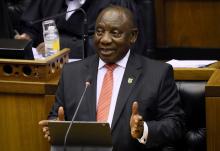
[{"x": 106, "y": 38}]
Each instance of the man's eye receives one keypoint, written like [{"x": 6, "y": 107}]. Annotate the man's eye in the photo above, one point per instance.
[
  {"x": 99, "y": 32},
  {"x": 116, "y": 34}
]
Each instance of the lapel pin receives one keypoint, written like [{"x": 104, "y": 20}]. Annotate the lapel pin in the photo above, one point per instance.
[{"x": 130, "y": 80}]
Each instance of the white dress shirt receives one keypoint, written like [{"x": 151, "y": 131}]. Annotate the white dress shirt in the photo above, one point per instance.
[
  {"x": 73, "y": 4},
  {"x": 117, "y": 79}
]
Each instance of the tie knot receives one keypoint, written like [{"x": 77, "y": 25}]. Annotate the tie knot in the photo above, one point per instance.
[{"x": 111, "y": 67}]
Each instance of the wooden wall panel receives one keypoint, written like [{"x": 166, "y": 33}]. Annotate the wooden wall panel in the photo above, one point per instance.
[
  {"x": 19, "y": 115},
  {"x": 213, "y": 123},
  {"x": 212, "y": 111},
  {"x": 188, "y": 23}
]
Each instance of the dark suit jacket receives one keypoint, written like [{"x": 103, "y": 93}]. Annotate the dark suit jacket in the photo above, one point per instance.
[{"x": 153, "y": 87}]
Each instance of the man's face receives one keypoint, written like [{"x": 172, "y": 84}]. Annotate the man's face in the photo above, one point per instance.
[{"x": 113, "y": 36}]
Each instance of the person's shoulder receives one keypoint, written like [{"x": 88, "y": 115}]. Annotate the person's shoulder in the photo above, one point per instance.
[
  {"x": 148, "y": 62},
  {"x": 156, "y": 68}
]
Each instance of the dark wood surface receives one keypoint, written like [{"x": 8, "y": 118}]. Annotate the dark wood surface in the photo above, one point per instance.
[
  {"x": 188, "y": 23},
  {"x": 19, "y": 114}
]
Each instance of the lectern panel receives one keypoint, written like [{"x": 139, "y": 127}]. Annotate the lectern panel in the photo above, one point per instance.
[{"x": 40, "y": 70}]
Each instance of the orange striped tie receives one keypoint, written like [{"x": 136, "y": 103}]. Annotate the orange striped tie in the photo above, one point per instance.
[{"x": 106, "y": 94}]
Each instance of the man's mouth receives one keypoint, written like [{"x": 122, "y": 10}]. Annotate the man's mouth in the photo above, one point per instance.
[{"x": 106, "y": 51}]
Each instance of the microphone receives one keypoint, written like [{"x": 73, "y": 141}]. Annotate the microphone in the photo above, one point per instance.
[
  {"x": 85, "y": 26},
  {"x": 87, "y": 84}
]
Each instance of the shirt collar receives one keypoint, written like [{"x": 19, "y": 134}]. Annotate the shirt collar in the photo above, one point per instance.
[
  {"x": 80, "y": 1},
  {"x": 121, "y": 63}
]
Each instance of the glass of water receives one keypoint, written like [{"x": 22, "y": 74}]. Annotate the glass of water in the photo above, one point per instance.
[{"x": 51, "y": 37}]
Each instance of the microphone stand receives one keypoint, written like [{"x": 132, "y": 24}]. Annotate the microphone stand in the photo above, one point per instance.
[
  {"x": 85, "y": 35},
  {"x": 74, "y": 116}
]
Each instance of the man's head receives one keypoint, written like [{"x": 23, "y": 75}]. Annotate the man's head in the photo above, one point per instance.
[{"x": 114, "y": 34}]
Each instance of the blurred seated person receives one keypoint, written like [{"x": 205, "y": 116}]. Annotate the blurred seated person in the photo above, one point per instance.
[
  {"x": 137, "y": 96},
  {"x": 11, "y": 11},
  {"x": 15, "y": 10},
  {"x": 6, "y": 29},
  {"x": 70, "y": 26}
]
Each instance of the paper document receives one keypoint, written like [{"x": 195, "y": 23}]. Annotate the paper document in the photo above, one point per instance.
[
  {"x": 73, "y": 60},
  {"x": 40, "y": 56},
  {"x": 190, "y": 63},
  {"x": 36, "y": 54}
]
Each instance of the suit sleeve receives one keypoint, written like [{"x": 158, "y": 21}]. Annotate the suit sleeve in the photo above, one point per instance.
[
  {"x": 33, "y": 12},
  {"x": 168, "y": 125},
  {"x": 59, "y": 99}
]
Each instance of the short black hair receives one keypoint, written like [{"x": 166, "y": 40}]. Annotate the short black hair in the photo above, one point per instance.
[{"x": 127, "y": 12}]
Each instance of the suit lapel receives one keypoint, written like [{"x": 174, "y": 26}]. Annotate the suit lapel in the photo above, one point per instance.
[
  {"x": 91, "y": 67},
  {"x": 131, "y": 75}
]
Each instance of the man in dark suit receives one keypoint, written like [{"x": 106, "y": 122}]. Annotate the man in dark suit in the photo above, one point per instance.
[{"x": 144, "y": 112}]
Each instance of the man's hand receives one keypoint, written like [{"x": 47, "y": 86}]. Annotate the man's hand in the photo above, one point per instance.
[
  {"x": 44, "y": 123},
  {"x": 23, "y": 36},
  {"x": 41, "y": 48},
  {"x": 136, "y": 122}
]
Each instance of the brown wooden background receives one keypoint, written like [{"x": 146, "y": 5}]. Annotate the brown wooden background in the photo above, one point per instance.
[{"x": 188, "y": 23}]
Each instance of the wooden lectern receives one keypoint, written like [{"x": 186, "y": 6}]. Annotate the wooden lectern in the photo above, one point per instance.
[{"x": 27, "y": 90}]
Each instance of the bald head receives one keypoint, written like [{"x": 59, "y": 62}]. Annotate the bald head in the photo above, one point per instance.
[{"x": 122, "y": 12}]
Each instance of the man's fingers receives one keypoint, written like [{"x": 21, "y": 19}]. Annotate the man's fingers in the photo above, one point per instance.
[
  {"x": 41, "y": 48},
  {"x": 48, "y": 138},
  {"x": 23, "y": 36},
  {"x": 46, "y": 135},
  {"x": 61, "y": 114},
  {"x": 136, "y": 122},
  {"x": 136, "y": 133},
  {"x": 139, "y": 119},
  {"x": 43, "y": 123},
  {"x": 135, "y": 108},
  {"x": 45, "y": 129}
]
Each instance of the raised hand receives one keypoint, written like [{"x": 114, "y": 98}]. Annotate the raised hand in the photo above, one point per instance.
[
  {"x": 60, "y": 114},
  {"x": 136, "y": 122},
  {"x": 44, "y": 123}
]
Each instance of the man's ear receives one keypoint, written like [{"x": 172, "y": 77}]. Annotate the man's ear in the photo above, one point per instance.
[{"x": 134, "y": 34}]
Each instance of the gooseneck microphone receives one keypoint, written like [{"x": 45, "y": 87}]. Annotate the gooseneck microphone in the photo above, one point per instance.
[
  {"x": 87, "y": 84},
  {"x": 85, "y": 26}
]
